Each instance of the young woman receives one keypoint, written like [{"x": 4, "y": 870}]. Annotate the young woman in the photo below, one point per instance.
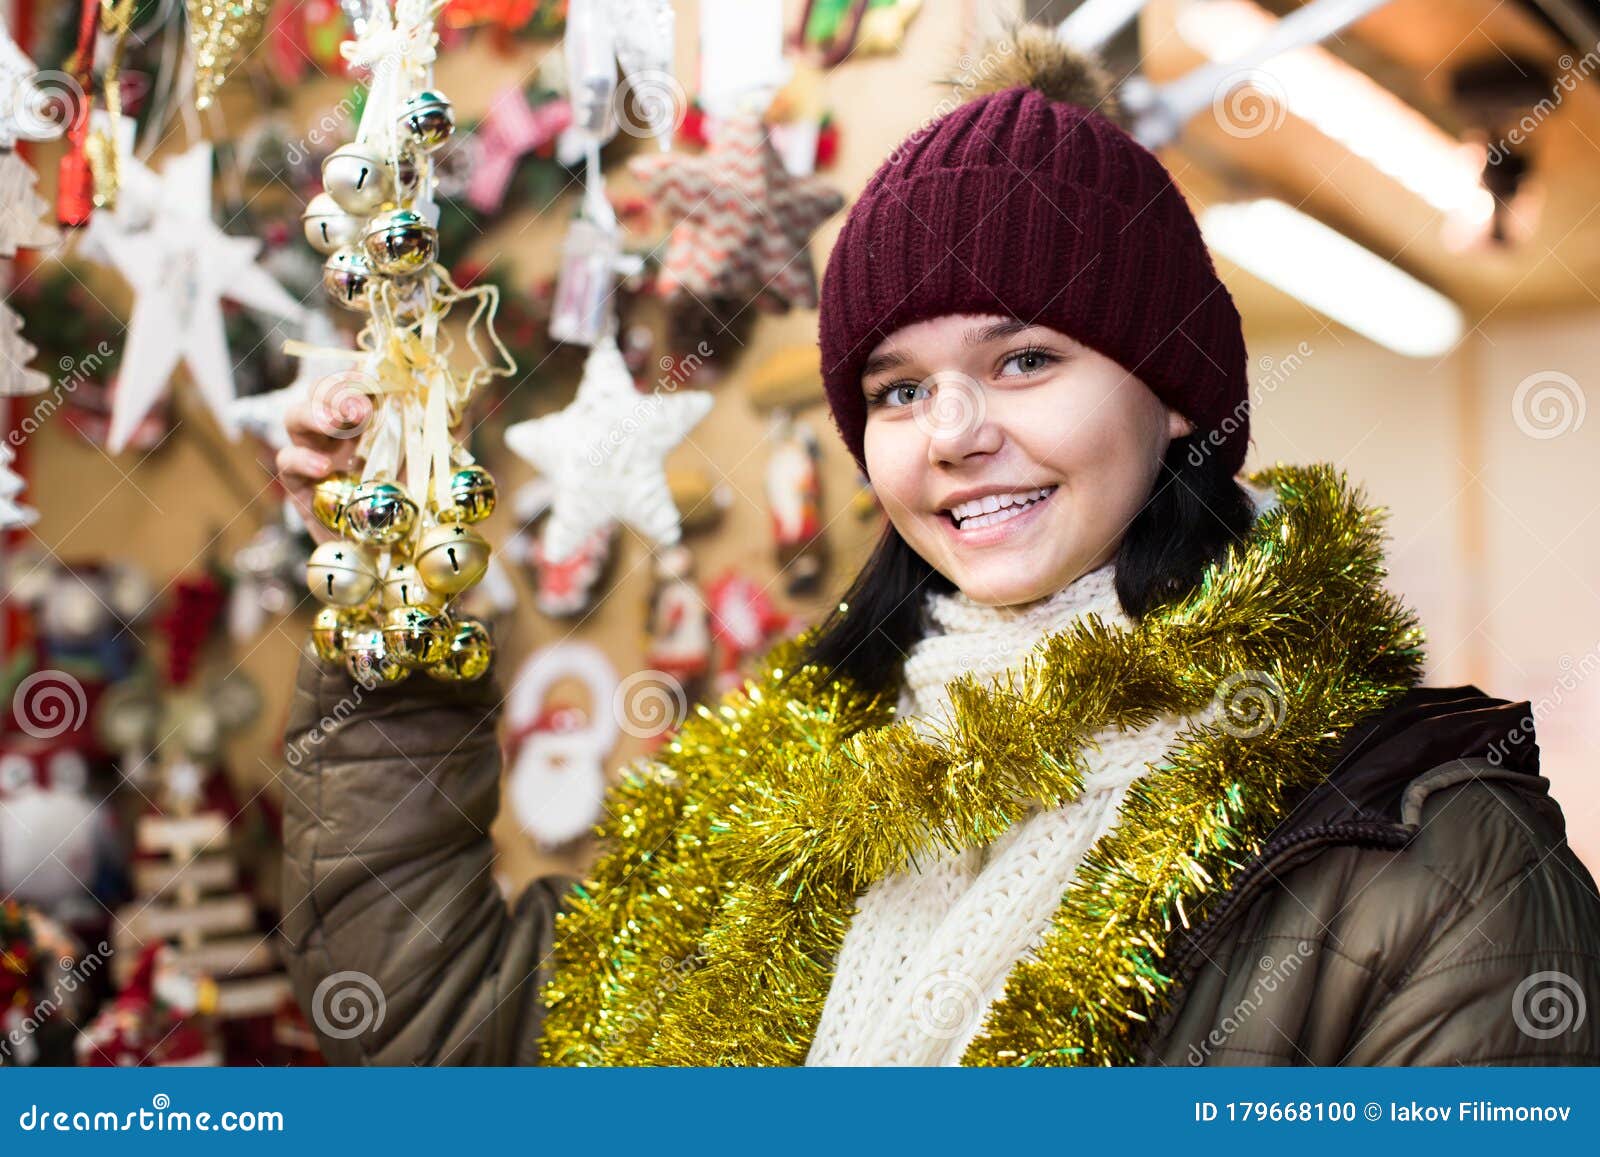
[{"x": 1104, "y": 758}]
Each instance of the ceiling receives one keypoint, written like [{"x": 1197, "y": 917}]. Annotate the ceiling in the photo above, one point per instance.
[{"x": 1416, "y": 49}]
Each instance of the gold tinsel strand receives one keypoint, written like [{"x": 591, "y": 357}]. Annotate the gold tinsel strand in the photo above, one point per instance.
[
  {"x": 707, "y": 932},
  {"x": 221, "y": 32}
]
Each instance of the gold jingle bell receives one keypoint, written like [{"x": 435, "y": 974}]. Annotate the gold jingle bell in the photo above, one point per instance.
[
  {"x": 403, "y": 587},
  {"x": 328, "y": 631},
  {"x": 417, "y": 636},
  {"x": 427, "y": 120},
  {"x": 452, "y": 557},
  {"x": 471, "y": 651},
  {"x": 328, "y": 227},
  {"x": 329, "y": 498},
  {"x": 400, "y": 243},
  {"x": 345, "y": 275},
  {"x": 472, "y": 495},
  {"x": 367, "y": 658},
  {"x": 379, "y": 513},
  {"x": 341, "y": 574},
  {"x": 358, "y": 178}
]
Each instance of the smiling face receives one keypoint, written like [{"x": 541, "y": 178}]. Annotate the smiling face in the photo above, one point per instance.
[{"x": 1009, "y": 456}]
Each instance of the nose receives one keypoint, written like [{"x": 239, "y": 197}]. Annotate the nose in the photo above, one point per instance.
[{"x": 956, "y": 420}]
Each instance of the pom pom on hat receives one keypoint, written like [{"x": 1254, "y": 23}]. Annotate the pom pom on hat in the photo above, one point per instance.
[{"x": 1035, "y": 57}]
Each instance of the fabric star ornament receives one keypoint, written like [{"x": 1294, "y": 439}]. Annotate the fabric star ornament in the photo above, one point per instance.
[
  {"x": 180, "y": 267},
  {"x": 743, "y": 224},
  {"x": 605, "y": 454}
]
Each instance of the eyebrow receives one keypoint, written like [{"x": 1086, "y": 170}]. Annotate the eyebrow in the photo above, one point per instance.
[{"x": 973, "y": 337}]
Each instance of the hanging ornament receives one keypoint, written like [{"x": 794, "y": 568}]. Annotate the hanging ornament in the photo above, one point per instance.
[
  {"x": 266, "y": 579},
  {"x": 743, "y": 622},
  {"x": 511, "y": 129},
  {"x": 644, "y": 32},
  {"x": 679, "y": 624},
  {"x": 74, "y": 180},
  {"x": 846, "y": 28},
  {"x": 16, "y": 378},
  {"x": 27, "y": 112},
  {"x": 605, "y": 454},
  {"x": 222, "y": 34},
  {"x": 22, "y": 223},
  {"x": 556, "y": 781},
  {"x": 181, "y": 267},
  {"x": 566, "y": 587},
  {"x": 305, "y": 36},
  {"x": 13, "y": 513},
  {"x": 427, "y": 120},
  {"x": 794, "y": 495},
  {"x": 741, "y": 225},
  {"x": 591, "y": 261},
  {"x": 408, "y": 548}
]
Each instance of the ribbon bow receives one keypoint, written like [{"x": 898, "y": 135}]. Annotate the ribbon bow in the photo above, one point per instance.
[{"x": 511, "y": 129}]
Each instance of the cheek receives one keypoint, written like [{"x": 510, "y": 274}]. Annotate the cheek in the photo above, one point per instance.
[
  {"x": 893, "y": 464},
  {"x": 1095, "y": 428}
]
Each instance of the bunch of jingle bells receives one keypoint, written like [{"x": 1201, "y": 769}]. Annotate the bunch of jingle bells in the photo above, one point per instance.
[{"x": 388, "y": 582}]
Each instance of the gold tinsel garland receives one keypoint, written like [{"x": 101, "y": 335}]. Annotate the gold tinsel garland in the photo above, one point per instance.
[{"x": 707, "y": 933}]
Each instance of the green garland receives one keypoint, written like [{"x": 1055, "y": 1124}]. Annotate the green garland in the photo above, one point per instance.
[{"x": 707, "y": 933}]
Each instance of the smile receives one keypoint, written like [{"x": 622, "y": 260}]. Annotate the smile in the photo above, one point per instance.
[{"x": 995, "y": 509}]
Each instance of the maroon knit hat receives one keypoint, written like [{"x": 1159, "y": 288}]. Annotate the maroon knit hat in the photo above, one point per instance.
[{"x": 1039, "y": 209}]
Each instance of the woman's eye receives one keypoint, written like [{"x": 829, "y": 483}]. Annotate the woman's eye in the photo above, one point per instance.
[
  {"x": 901, "y": 394},
  {"x": 1028, "y": 361}
]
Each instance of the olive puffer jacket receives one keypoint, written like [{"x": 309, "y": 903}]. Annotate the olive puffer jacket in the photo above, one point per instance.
[{"x": 1420, "y": 907}]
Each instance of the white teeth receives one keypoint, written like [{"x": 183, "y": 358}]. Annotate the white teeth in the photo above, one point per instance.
[{"x": 994, "y": 508}]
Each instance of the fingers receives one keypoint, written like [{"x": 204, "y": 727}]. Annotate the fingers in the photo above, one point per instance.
[
  {"x": 302, "y": 467},
  {"x": 329, "y": 420}
]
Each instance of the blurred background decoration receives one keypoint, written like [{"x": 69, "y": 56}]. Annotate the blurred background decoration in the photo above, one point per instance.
[{"x": 1403, "y": 198}]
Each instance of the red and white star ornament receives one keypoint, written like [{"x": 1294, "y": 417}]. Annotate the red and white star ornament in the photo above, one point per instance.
[
  {"x": 742, "y": 224},
  {"x": 605, "y": 454}
]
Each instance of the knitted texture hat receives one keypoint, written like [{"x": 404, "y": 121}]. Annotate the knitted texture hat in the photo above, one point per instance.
[{"x": 1025, "y": 205}]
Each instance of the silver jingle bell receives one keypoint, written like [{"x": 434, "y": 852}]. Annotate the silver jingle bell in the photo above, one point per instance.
[
  {"x": 403, "y": 587},
  {"x": 341, "y": 574},
  {"x": 427, "y": 120},
  {"x": 401, "y": 243},
  {"x": 379, "y": 513},
  {"x": 327, "y": 226},
  {"x": 358, "y": 178},
  {"x": 345, "y": 275},
  {"x": 451, "y": 557}
]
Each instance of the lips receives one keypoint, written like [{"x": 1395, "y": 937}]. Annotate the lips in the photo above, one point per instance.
[{"x": 994, "y": 509}]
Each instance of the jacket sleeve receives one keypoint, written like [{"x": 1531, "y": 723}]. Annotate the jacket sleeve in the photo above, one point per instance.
[
  {"x": 400, "y": 945},
  {"x": 1495, "y": 942}
]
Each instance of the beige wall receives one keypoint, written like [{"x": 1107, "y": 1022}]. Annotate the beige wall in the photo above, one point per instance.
[{"x": 1494, "y": 531}]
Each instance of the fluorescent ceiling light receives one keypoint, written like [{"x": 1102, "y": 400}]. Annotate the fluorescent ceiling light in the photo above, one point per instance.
[
  {"x": 1333, "y": 275},
  {"x": 1347, "y": 105}
]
